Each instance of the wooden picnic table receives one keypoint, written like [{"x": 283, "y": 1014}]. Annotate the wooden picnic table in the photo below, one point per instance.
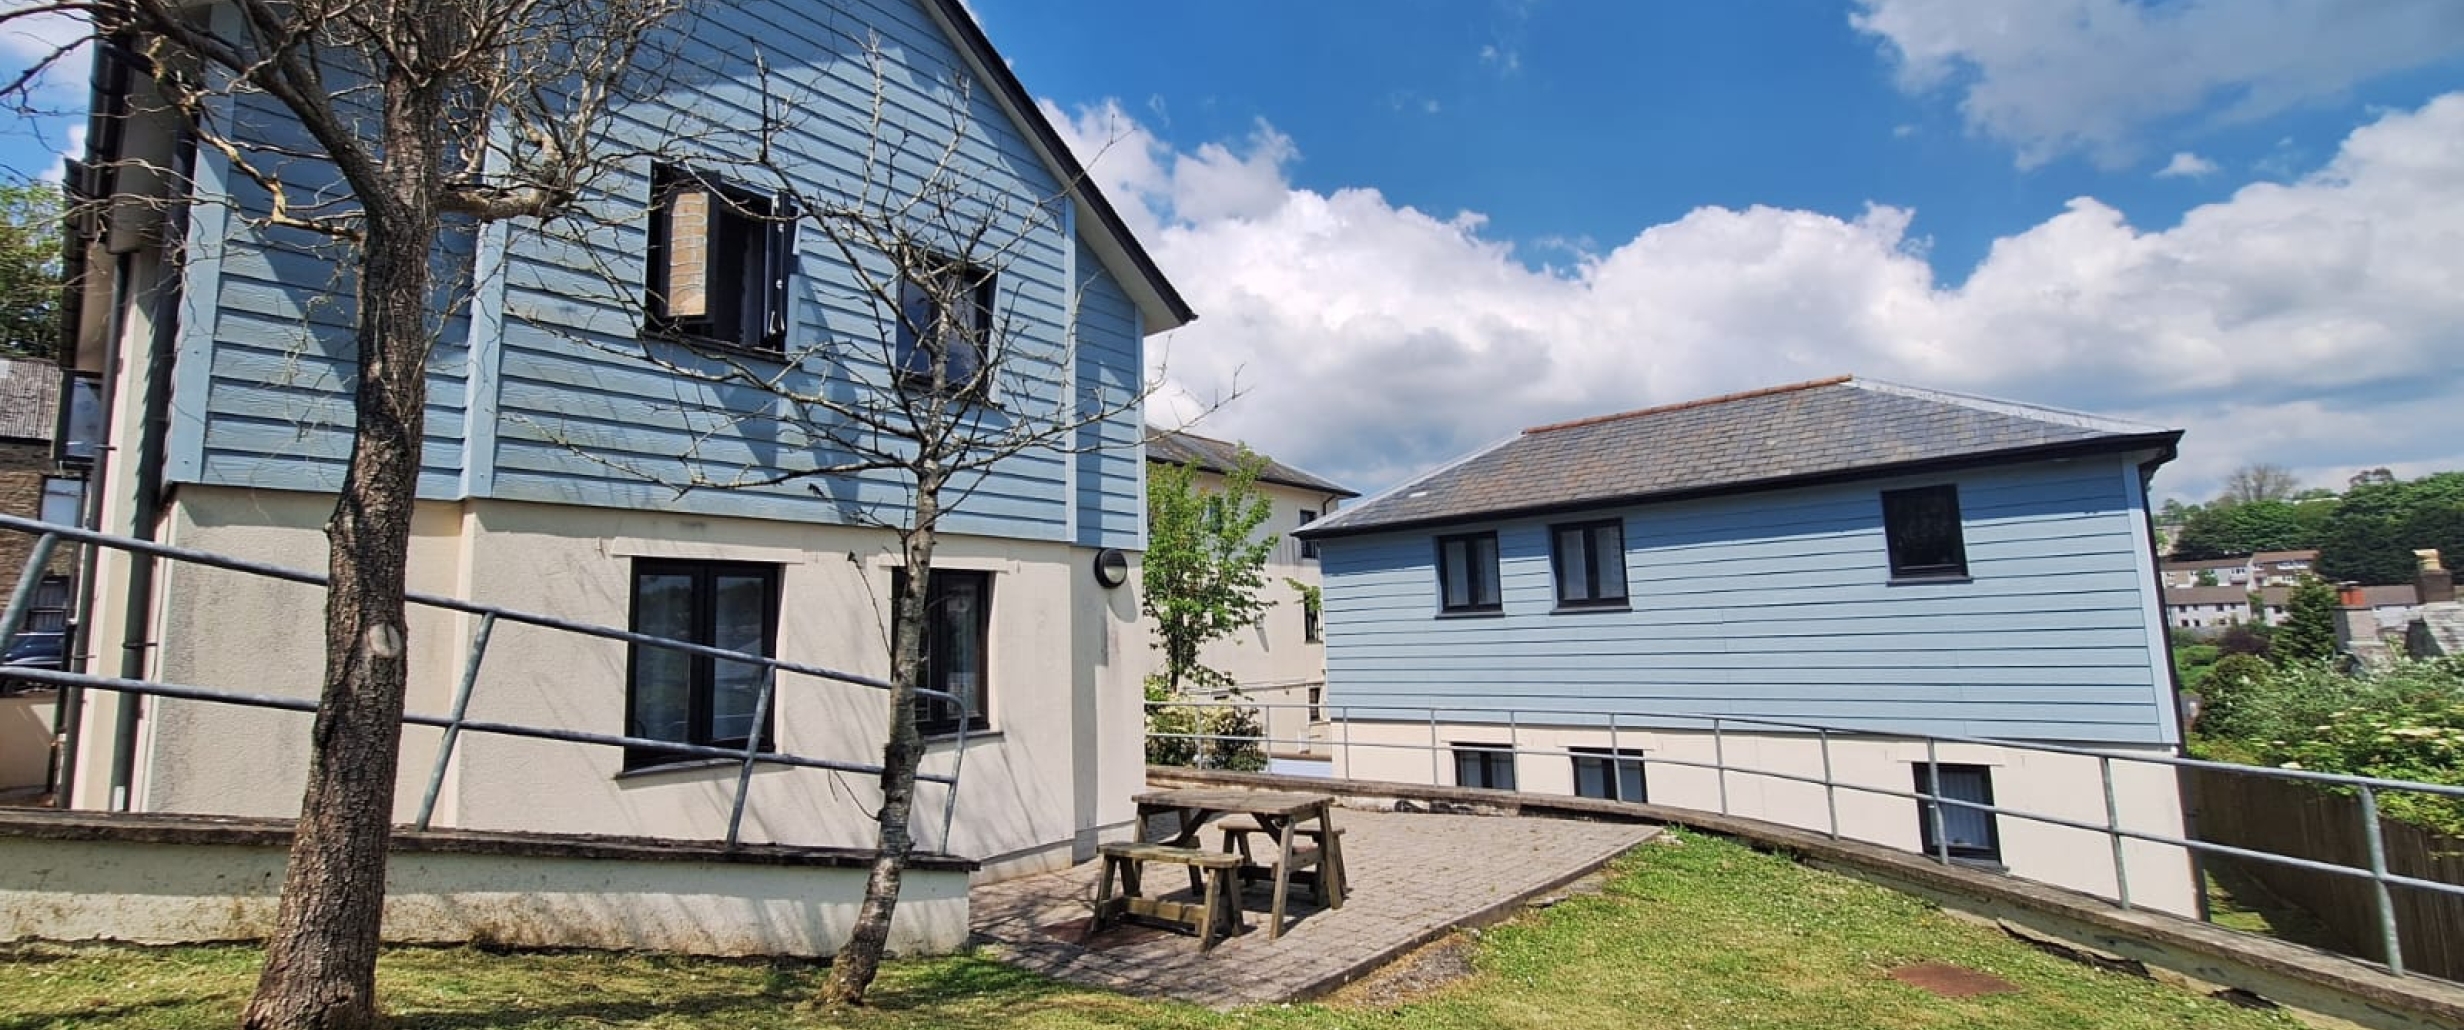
[{"x": 1284, "y": 816}]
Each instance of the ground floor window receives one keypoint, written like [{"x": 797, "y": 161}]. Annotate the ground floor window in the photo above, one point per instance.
[
  {"x": 688, "y": 698},
  {"x": 1609, "y": 775},
  {"x": 957, "y": 632},
  {"x": 1483, "y": 765},
  {"x": 1971, "y": 832}
]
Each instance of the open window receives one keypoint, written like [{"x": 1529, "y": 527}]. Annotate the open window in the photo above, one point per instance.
[{"x": 720, "y": 258}]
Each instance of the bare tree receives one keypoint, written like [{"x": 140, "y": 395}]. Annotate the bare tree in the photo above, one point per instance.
[
  {"x": 2258, "y": 481},
  {"x": 946, "y": 384},
  {"x": 414, "y": 113}
]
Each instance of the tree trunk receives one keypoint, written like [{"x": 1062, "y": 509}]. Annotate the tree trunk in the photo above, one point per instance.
[
  {"x": 320, "y": 966},
  {"x": 852, "y": 970}
]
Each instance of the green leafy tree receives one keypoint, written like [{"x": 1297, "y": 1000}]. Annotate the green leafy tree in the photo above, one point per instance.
[
  {"x": 1205, "y": 568},
  {"x": 2371, "y": 536},
  {"x": 2309, "y": 630},
  {"x": 29, "y": 270},
  {"x": 2222, "y": 531}
]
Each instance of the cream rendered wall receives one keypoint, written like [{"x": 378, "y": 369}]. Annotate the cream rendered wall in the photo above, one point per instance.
[
  {"x": 1273, "y": 663},
  {"x": 2036, "y": 782},
  {"x": 1054, "y": 775}
]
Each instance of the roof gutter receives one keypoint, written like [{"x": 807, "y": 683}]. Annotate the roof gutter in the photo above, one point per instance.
[{"x": 2166, "y": 442}]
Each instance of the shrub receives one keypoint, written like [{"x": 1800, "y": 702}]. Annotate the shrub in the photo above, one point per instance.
[
  {"x": 2233, "y": 694},
  {"x": 1234, "y": 741},
  {"x": 1169, "y": 719}
]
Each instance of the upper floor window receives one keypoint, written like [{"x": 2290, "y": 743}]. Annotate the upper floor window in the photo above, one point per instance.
[
  {"x": 1590, "y": 559},
  {"x": 690, "y": 698},
  {"x": 944, "y": 324},
  {"x": 719, "y": 261},
  {"x": 1308, "y": 548},
  {"x": 1921, "y": 527},
  {"x": 1467, "y": 573}
]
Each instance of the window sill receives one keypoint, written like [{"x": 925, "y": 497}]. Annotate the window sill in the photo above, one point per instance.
[
  {"x": 1474, "y": 613},
  {"x": 1919, "y": 581},
  {"x": 1600, "y": 606},
  {"x": 680, "y": 766},
  {"x": 940, "y": 738},
  {"x": 712, "y": 344}
]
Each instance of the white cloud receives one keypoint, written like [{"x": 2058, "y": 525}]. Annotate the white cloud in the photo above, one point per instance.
[
  {"x": 2186, "y": 165},
  {"x": 2296, "y": 323},
  {"x": 48, "y": 38},
  {"x": 2052, "y": 77}
]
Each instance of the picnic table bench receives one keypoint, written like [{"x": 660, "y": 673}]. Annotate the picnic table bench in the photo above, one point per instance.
[{"x": 1284, "y": 817}]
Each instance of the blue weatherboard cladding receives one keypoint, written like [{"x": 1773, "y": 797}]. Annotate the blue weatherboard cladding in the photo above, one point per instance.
[
  {"x": 533, "y": 397},
  {"x": 1778, "y": 604}
]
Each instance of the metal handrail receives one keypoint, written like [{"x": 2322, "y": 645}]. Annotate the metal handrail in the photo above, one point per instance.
[
  {"x": 49, "y": 535},
  {"x": 2368, "y": 787}
]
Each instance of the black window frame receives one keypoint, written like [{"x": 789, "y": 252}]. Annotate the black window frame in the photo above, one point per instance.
[
  {"x": 935, "y": 717},
  {"x": 701, "y": 673},
  {"x": 1483, "y": 761},
  {"x": 1988, "y": 853},
  {"x": 1902, "y": 512},
  {"x": 919, "y": 308},
  {"x": 1590, "y": 531},
  {"x": 762, "y": 260},
  {"x": 1616, "y": 762},
  {"x": 1479, "y": 603}
]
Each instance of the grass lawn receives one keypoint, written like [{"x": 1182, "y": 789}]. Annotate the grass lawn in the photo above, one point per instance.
[{"x": 1700, "y": 934}]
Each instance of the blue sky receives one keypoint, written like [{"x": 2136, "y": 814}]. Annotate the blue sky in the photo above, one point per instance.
[{"x": 1411, "y": 228}]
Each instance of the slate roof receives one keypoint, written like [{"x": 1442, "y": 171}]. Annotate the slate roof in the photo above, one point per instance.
[
  {"x": 1173, "y": 447},
  {"x": 2206, "y": 595},
  {"x": 29, "y": 399},
  {"x": 1820, "y": 431}
]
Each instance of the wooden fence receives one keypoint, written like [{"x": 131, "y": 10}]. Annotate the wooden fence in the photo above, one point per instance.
[{"x": 2288, "y": 817}]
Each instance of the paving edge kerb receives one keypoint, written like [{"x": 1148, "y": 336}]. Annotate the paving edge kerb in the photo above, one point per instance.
[{"x": 2285, "y": 973}]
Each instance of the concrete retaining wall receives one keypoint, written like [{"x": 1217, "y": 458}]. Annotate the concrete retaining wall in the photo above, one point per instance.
[{"x": 168, "y": 880}]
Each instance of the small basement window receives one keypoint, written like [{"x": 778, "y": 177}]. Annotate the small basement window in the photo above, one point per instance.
[
  {"x": 1483, "y": 765},
  {"x": 1972, "y": 832}
]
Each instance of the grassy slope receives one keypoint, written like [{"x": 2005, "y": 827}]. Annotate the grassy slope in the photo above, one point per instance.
[{"x": 1702, "y": 934}]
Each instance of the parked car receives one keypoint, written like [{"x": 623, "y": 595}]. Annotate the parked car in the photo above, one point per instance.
[{"x": 29, "y": 651}]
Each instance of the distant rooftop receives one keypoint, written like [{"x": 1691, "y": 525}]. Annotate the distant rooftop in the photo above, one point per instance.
[
  {"x": 1177, "y": 447},
  {"x": 29, "y": 399},
  {"x": 1818, "y": 431}
]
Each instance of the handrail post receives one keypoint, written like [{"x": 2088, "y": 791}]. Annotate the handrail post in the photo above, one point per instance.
[
  {"x": 21, "y": 599},
  {"x": 1719, "y": 761},
  {"x": 1933, "y": 793},
  {"x": 2113, "y": 833},
  {"x": 1616, "y": 785},
  {"x": 752, "y": 749},
  {"x": 1830, "y": 785},
  {"x": 2378, "y": 881},
  {"x": 958, "y": 764},
  {"x": 1436, "y": 767},
  {"x": 1344, "y": 717},
  {"x": 461, "y": 710},
  {"x": 1514, "y": 740}
]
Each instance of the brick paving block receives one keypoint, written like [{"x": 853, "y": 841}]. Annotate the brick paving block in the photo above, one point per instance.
[{"x": 1413, "y": 876}]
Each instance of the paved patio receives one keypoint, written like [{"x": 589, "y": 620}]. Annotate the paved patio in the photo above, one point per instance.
[{"x": 1413, "y": 877}]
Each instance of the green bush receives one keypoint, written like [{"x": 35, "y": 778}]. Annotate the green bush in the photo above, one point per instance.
[
  {"x": 1234, "y": 739},
  {"x": 2405, "y": 722},
  {"x": 1169, "y": 719}
]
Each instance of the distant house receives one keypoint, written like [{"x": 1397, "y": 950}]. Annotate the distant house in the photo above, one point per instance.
[
  {"x": 1846, "y": 552},
  {"x": 2199, "y": 608},
  {"x": 35, "y": 484},
  {"x": 2206, "y": 572},
  {"x": 2280, "y": 568},
  {"x": 1281, "y": 662}
]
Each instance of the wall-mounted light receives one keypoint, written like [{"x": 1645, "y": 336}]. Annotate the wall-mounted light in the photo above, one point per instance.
[{"x": 1111, "y": 567}]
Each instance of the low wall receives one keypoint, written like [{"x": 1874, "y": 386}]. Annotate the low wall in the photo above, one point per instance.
[
  {"x": 81, "y": 876},
  {"x": 2286, "y": 974}
]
